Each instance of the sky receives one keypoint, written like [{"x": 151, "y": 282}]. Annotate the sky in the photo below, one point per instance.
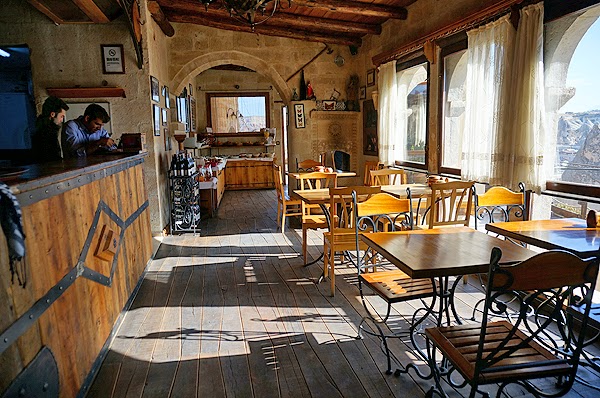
[{"x": 583, "y": 73}]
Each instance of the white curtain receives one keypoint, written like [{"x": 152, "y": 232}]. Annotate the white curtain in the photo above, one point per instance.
[
  {"x": 489, "y": 51},
  {"x": 503, "y": 141},
  {"x": 391, "y": 141},
  {"x": 524, "y": 130}
]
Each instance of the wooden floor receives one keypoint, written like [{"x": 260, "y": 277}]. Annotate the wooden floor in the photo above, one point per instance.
[{"x": 232, "y": 312}]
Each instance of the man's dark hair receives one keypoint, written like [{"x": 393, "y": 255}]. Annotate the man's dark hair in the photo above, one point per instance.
[
  {"x": 95, "y": 111},
  {"x": 53, "y": 104}
]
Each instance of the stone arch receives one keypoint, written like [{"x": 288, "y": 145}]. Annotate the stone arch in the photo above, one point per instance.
[
  {"x": 564, "y": 36},
  {"x": 207, "y": 61}
]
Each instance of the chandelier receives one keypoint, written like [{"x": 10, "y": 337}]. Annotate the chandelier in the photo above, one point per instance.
[{"x": 252, "y": 12}]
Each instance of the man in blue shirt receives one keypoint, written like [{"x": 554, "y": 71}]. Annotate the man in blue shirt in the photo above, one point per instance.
[{"x": 85, "y": 135}]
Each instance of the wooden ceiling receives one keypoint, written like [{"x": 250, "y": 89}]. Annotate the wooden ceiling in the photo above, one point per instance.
[{"x": 328, "y": 21}]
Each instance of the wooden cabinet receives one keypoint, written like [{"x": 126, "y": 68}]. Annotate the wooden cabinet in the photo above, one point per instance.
[{"x": 249, "y": 174}]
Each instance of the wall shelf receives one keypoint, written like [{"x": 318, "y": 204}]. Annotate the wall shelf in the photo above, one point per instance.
[{"x": 86, "y": 92}]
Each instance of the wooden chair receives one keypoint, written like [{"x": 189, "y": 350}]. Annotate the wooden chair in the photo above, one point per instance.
[
  {"x": 371, "y": 165},
  {"x": 307, "y": 165},
  {"x": 312, "y": 216},
  {"x": 340, "y": 237},
  {"x": 499, "y": 204},
  {"x": 387, "y": 177},
  {"x": 449, "y": 204},
  {"x": 285, "y": 206},
  {"x": 505, "y": 352},
  {"x": 391, "y": 285}
]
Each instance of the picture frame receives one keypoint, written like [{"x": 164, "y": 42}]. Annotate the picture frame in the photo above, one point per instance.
[
  {"x": 156, "y": 115},
  {"x": 167, "y": 140},
  {"x": 299, "y": 116},
  {"x": 362, "y": 92},
  {"x": 329, "y": 105},
  {"x": 192, "y": 114},
  {"x": 164, "y": 117},
  {"x": 370, "y": 77},
  {"x": 165, "y": 92},
  {"x": 113, "y": 61},
  {"x": 190, "y": 89},
  {"x": 370, "y": 136},
  {"x": 154, "y": 89}
]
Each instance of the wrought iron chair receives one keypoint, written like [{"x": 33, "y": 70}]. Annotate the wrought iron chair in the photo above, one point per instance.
[
  {"x": 501, "y": 352},
  {"x": 312, "y": 215},
  {"x": 391, "y": 285},
  {"x": 307, "y": 165},
  {"x": 286, "y": 207},
  {"x": 340, "y": 237}
]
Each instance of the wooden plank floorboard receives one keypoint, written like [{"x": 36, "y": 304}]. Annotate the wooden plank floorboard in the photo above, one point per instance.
[{"x": 232, "y": 312}]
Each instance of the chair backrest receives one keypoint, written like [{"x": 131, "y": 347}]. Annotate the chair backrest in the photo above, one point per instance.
[
  {"x": 388, "y": 177},
  {"x": 545, "y": 283},
  {"x": 341, "y": 203},
  {"x": 375, "y": 211},
  {"x": 317, "y": 180},
  {"x": 307, "y": 165},
  {"x": 370, "y": 165},
  {"x": 500, "y": 204},
  {"x": 278, "y": 178},
  {"x": 450, "y": 203}
]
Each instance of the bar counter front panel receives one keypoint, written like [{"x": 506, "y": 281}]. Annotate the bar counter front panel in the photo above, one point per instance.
[{"x": 88, "y": 240}]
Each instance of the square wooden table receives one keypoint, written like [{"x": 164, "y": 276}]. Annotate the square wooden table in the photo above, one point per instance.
[{"x": 570, "y": 234}]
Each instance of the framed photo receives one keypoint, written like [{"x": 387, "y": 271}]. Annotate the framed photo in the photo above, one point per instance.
[
  {"x": 165, "y": 93},
  {"x": 370, "y": 138},
  {"x": 370, "y": 77},
  {"x": 164, "y": 116},
  {"x": 167, "y": 140},
  {"x": 362, "y": 92},
  {"x": 112, "y": 58},
  {"x": 156, "y": 115},
  {"x": 329, "y": 105},
  {"x": 154, "y": 89},
  {"x": 299, "y": 115},
  {"x": 190, "y": 89},
  {"x": 192, "y": 115}
]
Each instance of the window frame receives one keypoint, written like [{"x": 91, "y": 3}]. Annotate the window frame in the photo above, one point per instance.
[
  {"x": 264, "y": 94},
  {"x": 409, "y": 62},
  {"x": 446, "y": 51}
]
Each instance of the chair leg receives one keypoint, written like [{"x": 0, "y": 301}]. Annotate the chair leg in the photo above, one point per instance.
[
  {"x": 304, "y": 244},
  {"x": 332, "y": 274},
  {"x": 325, "y": 260},
  {"x": 465, "y": 279},
  {"x": 283, "y": 222}
]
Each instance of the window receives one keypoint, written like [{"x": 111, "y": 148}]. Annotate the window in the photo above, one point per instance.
[
  {"x": 234, "y": 113},
  {"x": 413, "y": 89},
  {"x": 453, "y": 110}
]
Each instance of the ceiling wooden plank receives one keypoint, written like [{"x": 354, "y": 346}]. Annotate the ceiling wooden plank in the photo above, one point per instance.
[
  {"x": 289, "y": 32},
  {"x": 280, "y": 19},
  {"x": 355, "y": 7},
  {"x": 46, "y": 11},
  {"x": 91, "y": 10},
  {"x": 160, "y": 18}
]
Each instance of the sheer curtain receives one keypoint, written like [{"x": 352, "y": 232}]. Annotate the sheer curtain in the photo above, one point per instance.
[
  {"x": 391, "y": 141},
  {"x": 524, "y": 130},
  {"x": 490, "y": 49}
]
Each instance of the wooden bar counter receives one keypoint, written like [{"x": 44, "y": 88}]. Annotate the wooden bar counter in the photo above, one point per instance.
[{"x": 88, "y": 240}]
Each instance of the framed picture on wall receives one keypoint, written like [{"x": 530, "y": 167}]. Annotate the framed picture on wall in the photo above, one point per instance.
[
  {"x": 166, "y": 95},
  {"x": 362, "y": 92},
  {"x": 299, "y": 115},
  {"x": 370, "y": 77},
  {"x": 156, "y": 115},
  {"x": 192, "y": 115},
  {"x": 112, "y": 58},
  {"x": 370, "y": 138},
  {"x": 154, "y": 89},
  {"x": 164, "y": 116},
  {"x": 167, "y": 140}
]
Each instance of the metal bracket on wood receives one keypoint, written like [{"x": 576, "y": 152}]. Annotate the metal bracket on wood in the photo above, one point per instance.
[{"x": 132, "y": 11}]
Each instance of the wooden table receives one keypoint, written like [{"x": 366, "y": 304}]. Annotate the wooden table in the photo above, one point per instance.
[
  {"x": 570, "y": 234},
  {"x": 321, "y": 196},
  {"x": 340, "y": 174},
  {"x": 438, "y": 254}
]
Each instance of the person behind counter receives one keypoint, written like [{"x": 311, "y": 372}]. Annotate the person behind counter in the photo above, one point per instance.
[
  {"x": 45, "y": 142},
  {"x": 86, "y": 134}
]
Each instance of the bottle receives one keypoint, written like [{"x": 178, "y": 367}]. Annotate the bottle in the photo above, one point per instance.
[{"x": 302, "y": 93}]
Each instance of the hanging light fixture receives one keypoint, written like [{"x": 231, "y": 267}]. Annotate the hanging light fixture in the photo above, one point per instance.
[{"x": 252, "y": 12}]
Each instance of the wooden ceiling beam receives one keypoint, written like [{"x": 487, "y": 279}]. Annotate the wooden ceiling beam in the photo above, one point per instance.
[
  {"x": 90, "y": 9},
  {"x": 280, "y": 19},
  {"x": 160, "y": 18},
  {"x": 46, "y": 11},
  {"x": 289, "y": 32},
  {"x": 355, "y": 7}
]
